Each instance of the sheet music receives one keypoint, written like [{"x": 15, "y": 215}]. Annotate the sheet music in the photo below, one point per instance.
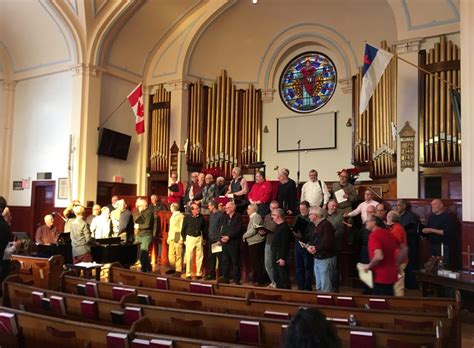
[
  {"x": 340, "y": 196},
  {"x": 88, "y": 264},
  {"x": 366, "y": 277},
  {"x": 216, "y": 248}
]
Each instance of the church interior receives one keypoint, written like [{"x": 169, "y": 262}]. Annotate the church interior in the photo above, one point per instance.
[{"x": 262, "y": 85}]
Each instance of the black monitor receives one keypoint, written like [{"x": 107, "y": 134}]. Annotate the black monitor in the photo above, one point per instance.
[{"x": 113, "y": 144}]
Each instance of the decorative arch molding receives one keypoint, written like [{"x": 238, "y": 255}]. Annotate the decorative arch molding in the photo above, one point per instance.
[
  {"x": 285, "y": 43},
  {"x": 90, "y": 29},
  {"x": 181, "y": 42},
  {"x": 6, "y": 64}
]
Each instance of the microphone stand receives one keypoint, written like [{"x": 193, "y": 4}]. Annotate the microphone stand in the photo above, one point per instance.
[{"x": 298, "y": 172}]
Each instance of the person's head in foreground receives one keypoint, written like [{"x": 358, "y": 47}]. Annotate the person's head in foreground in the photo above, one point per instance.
[{"x": 310, "y": 329}]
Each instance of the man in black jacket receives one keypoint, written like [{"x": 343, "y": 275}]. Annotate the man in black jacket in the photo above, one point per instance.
[
  {"x": 281, "y": 250},
  {"x": 230, "y": 239},
  {"x": 192, "y": 233},
  {"x": 144, "y": 221},
  {"x": 216, "y": 219}
]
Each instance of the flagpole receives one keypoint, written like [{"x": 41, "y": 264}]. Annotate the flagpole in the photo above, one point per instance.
[
  {"x": 111, "y": 114},
  {"x": 451, "y": 84}
]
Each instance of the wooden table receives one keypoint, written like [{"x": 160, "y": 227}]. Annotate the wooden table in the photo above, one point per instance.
[
  {"x": 448, "y": 287},
  {"x": 87, "y": 270}
]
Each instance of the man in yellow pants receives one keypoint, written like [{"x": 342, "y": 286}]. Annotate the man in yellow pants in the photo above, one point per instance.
[{"x": 175, "y": 241}]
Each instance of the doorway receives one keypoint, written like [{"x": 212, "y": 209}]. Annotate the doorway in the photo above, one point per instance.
[{"x": 42, "y": 201}]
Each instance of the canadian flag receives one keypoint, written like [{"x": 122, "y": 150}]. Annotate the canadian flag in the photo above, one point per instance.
[{"x": 136, "y": 102}]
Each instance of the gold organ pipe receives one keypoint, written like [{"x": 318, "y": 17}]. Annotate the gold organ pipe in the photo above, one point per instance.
[
  {"x": 436, "y": 109},
  {"x": 442, "y": 102},
  {"x": 218, "y": 120},
  {"x": 227, "y": 124},
  {"x": 449, "y": 77},
  {"x": 456, "y": 152},
  {"x": 430, "y": 110}
]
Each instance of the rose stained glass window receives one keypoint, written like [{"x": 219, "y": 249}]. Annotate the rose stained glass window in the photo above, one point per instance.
[{"x": 308, "y": 82}]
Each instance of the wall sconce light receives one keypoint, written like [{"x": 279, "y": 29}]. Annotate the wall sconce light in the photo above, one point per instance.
[
  {"x": 265, "y": 129},
  {"x": 349, "y": 122}
]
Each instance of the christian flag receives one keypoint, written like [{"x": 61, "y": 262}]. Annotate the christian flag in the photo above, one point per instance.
[
  {"x": 136, "y": 102},
  {"x": 375, "y": 62}
]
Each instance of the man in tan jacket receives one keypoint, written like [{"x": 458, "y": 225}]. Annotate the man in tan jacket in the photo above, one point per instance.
[{"x": 175, "y": 241}]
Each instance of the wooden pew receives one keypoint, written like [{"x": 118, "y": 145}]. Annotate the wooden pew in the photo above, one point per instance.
[
  {"x": 257, "y": 308},
  {"x": 44, "y": 272},
  {"x": 206, "y": 325},
  {"x": 128, "y": 277},
  {"x": 38, "y": 330}
]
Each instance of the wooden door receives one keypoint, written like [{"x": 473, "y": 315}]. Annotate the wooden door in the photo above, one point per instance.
[{"x": 42, "y": 201}]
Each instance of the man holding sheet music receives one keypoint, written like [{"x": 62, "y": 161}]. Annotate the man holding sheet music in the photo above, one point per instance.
[
  {"x": 216, "y": 219},
  {"x": 383, "y": 262},
  {"x": 344, "y": 192},
  {"x": 230, "y": 239}
]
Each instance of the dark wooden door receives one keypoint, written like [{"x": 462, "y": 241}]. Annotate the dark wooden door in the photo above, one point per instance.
[{"x": 42, "y": 201}]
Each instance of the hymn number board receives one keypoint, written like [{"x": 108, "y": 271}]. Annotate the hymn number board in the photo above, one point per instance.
[{"x": 407, "y": 146}]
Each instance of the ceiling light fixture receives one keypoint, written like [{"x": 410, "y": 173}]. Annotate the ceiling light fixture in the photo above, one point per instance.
[{"x": 254, "y": 1}]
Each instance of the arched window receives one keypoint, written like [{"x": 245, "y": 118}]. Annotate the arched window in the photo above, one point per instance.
[{"x": 308, "y": 82}]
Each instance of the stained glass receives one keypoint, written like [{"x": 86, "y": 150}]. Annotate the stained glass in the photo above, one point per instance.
[{"x": 308, "y": 82}]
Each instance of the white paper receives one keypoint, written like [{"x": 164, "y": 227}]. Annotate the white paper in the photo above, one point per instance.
[
  {"x": 340, "y": 196},
  {"x": 88, "y": 264},
  {"x": 216, "y": 248},
  {"x": 364, "y": 276},
  {"x": 230, "y": 195}
]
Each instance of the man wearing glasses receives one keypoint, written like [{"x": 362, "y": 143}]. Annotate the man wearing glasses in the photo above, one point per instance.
[{"x": 349, "y": 192}]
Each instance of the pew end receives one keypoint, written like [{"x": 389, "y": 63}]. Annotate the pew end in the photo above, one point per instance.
[{"x": 142, "y": 325}]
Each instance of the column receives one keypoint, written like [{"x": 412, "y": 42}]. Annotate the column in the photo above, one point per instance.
[
  {"x": 467, "y": 123},
  {"x": 142, "y": 169},
  {"x": 407, "y": 110},
  {"x": 6, "y": 142},
  {"x": 179, "y": 121},
  {"x": 85, "y": 121}
]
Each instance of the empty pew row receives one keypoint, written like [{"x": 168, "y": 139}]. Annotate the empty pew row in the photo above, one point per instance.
[
  {"x": 32, "y": 330},
  {"x": 198, "y": 325},
  {"x": 251, "y": 307},
  {"x": 128, "y": 277}
]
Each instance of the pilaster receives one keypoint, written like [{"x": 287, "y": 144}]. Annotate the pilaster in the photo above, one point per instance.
[
  {"x": 407, "y": 111},
  {"x": 85, "y": 122},
  {"x": 7, "y": 125},
  {"x": 179, "y": 119},
  {"x": 142, "y": 177}
]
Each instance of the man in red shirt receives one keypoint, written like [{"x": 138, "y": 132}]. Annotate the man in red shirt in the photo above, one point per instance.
[
  {"x": 397, "y": 230},
  {"x": 261, "y": 194},
  {"x": 382, "y": 247},
  {"x": 176, "y": 190}
]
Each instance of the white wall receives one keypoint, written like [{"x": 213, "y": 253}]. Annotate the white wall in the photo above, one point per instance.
[
  {"x": 2, "y": 126},
  {"x": 41, "y": 128},
  {"x": 114, "y": 90}
]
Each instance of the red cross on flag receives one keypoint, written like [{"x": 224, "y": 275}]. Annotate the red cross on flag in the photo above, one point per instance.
[{"x": 136, "y": 102}]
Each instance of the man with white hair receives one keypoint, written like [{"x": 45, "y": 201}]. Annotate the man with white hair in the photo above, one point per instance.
[
  {"x": 238, "y": 188},
  {"x": 256, "y": 243},
  {"x": 323, "y": 247},
  {"x": 286, "y": 194},
  {"x": 221, "y": 188},
  {"x": 48, "y": 233},
  {"x": 144, "y": 232},
  {"x": 208, "y": 193}
]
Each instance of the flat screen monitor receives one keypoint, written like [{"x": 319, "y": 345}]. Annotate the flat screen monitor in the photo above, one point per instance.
[{"x": 113, "y": 144}]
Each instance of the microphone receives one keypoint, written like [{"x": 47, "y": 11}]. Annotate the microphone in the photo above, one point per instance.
[{"x": 299, "y": 142}]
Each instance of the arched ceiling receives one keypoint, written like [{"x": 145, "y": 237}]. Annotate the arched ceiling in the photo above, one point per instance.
[
  {"x": 47, "y": 35},
  {"x": 143, "y": 31},
  {"x": 32, "y": 36}
]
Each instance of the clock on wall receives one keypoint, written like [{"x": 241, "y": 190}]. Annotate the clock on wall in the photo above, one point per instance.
[{"x": 308, "y": 82}]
